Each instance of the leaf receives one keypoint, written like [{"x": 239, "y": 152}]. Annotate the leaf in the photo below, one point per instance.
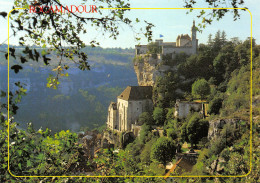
[
  {"x": 37, "y": 55},
  {"x": 43, "y": 52},
  {"x": 23, "y": 60},
  {"x": 3, "y": 94},
  {"x": 16, "y": 68},
  {"x": 19, "y": 152},
  {"x": 12, "y": 50},
  {"x": 34, "y": 22},
  {"x": 45, "y": 60},
  {"x": 40, "y": 156},
  {"x": 29, "y": 163},
  {"x": 3, "y": 14}
]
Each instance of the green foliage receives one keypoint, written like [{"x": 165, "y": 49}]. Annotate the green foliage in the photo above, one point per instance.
[
  {"x": 200, "y": 88},
  {"x": 38, "y": 152},
  {"x": 164, "y": 91},
  {"x": 170, "y": 113},
  {"x": 145, "y": 130},
  {"x": 238, "y": 94},
  {"x": 196, "y": 129},
  {"x": 184, "y": 134},
  {"x": 146, "y": 118},
  {"x": 145, "y": 154},
  {"x": 159, "y": 116},
  {"x": 163, "y": 150},
  {"x": 215, "y": 105},
  {"x": 172, "y": 133}
]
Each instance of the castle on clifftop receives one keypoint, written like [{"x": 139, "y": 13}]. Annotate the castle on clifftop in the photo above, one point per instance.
[
  {"x": 184, "y": 43},
  {"x": 123, "y": 115}
]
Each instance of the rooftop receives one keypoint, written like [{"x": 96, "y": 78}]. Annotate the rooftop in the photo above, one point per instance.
[{"x": 136, "y": 93}]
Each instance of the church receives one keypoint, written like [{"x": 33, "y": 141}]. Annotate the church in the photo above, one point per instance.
[{"x": 132, "y": 102}]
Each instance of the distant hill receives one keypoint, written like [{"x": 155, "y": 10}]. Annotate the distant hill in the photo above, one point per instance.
[{"x": 81, "y": 99}]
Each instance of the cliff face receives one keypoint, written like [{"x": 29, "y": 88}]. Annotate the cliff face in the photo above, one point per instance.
[
  {"x": 148, "y": 67},
  {"x": 215, "y": 126}
]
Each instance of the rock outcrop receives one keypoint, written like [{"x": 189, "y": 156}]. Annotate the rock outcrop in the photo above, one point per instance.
[
  {"x": 148, "y": 66},
  {"x": 215, "y": 126}
]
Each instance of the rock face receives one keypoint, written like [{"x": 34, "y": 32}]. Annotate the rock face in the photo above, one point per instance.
[
  {"x": 215, "y": 126},
  {"x": 147, "y": 67}
]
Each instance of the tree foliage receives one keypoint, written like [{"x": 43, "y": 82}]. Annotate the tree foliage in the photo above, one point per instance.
[
  {"x": 196, "y": 129},
  {"x": 200, "y": 88},
  {"x": 159, "y": 116},
  {"x": 163, "y": 150},
  {"x": 59, "y": 33},
  {"x": 146, "y": 118},
  {"x": 215, "y": 105}
]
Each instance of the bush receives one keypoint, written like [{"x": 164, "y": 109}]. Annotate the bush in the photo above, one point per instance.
[{"x": 215, "y": 105}]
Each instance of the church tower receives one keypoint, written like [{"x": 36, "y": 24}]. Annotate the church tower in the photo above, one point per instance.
[{"x": 194, "y": 41}]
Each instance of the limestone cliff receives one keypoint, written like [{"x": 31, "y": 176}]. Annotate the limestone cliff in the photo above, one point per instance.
[
  {"x": 147, "y": 67},
  {"x": 215, "y": 126}
]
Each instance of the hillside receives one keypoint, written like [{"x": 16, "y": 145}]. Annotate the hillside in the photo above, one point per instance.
[{"x": 81, "y": 99}]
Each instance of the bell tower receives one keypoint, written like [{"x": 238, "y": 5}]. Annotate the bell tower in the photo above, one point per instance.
[{"x": 194, "y": 41}]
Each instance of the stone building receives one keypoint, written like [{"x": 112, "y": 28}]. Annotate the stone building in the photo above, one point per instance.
[
  {"x": 183, "y": 108},
  {"x": 132, "y": 102},
  {"x": 184, "y": 43}
]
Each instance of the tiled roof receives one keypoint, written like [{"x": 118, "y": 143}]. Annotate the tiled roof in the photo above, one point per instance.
[{"x": 136, "y": 93}]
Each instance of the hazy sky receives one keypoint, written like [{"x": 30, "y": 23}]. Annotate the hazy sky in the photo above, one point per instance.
[{"x": 169, "y": 23}]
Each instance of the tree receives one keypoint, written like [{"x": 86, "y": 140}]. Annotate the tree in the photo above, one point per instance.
[
  {"x": 58, "y": 33},
  {"x": 210, "y": 39},
  {"x": 171, "y": 133},
  {"x": 215, "y": 105},
  {"x": 146, "y": 118},
  {"x": 184, "y": 135},
  {"x": 216, "y": 14},
  {"x": 66, "y": 29},
  {"x": 146, "y": 152},
  {"x": 200, "y": 88},
  {"x": 145, "y": 130},
  {"x": 159, "y": 116},
  {"x": 223, "y": 37},
  {"x": 163, "y": 150},
  {"x": 196, "y": 129}
]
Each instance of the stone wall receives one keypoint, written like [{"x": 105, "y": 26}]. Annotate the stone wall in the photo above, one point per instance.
[
  {"x": 183, "y": 108},
  {"x": 129, "y": 111},
  {"x": 112, "y": 118}
]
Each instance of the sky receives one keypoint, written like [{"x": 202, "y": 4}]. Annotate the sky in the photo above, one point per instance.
[{"x": 169, "y": 23}]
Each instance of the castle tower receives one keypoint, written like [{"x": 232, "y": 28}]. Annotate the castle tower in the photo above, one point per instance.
[{"x": 194, "y": 41}]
